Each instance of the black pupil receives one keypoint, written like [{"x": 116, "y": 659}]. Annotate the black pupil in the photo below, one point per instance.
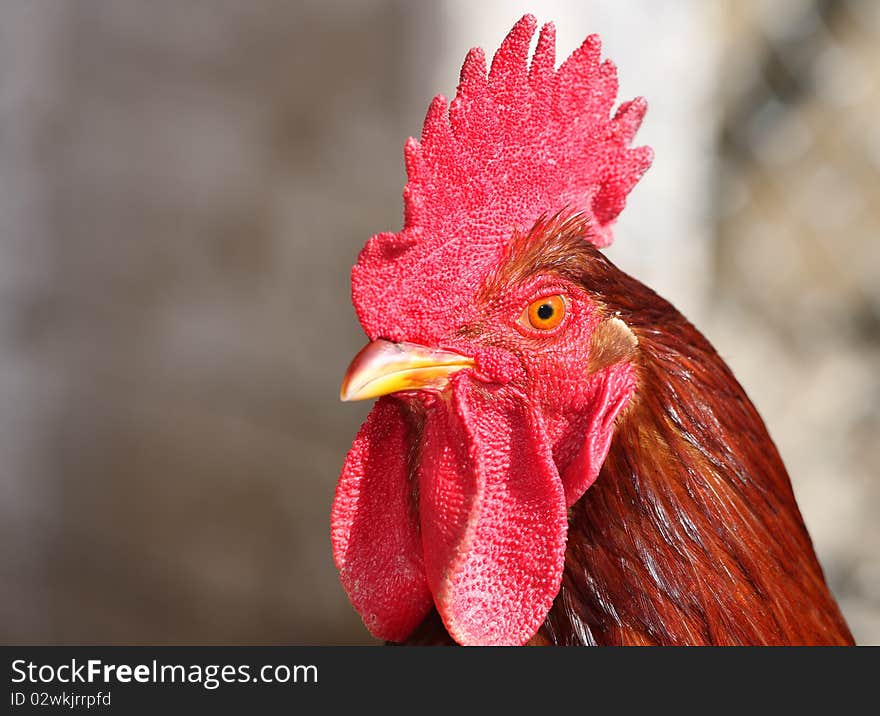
[{"x": 545, "y": 311}]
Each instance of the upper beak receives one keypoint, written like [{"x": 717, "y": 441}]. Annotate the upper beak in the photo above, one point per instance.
[{"x": 383, "y": 367}]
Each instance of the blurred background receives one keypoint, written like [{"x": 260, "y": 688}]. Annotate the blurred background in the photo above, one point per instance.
[{"x": 184, "y": 186}]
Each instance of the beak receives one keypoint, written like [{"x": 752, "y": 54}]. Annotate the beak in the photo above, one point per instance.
[{"x": 383, "y": 367}]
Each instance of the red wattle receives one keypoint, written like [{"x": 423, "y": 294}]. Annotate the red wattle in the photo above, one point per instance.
[
  {"x": 493, "y": 516},
  {"x": 374, "y": 527}
]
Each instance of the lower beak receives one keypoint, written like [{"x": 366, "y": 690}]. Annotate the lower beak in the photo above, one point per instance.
[{"x": 383, "y": 367}]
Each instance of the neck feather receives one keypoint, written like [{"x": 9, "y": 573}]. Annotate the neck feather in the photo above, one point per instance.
[{"x": 691, "y": 534}]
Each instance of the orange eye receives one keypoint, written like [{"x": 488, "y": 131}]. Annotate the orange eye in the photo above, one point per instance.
[{"x": 545, "y": 313}]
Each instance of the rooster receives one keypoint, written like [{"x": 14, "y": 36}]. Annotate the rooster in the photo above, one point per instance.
[{"x": 556, "y": 456}]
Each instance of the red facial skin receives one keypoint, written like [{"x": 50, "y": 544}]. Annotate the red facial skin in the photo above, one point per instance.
[{"x": 546, "y": 368}]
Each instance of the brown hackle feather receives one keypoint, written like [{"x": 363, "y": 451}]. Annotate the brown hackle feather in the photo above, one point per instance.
[{"x": 691, "y": 534}]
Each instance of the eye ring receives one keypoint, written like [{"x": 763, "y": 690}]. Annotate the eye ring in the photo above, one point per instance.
[{"x": 544, "y": 314}]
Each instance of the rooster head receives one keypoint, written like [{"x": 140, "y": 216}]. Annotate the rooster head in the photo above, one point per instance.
[{"x": 499, "y": 372}]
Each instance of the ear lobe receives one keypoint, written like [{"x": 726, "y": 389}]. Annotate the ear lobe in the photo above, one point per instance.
[
  {"x": 612, "y": 380},
  {"x": 612, "y": 342}
]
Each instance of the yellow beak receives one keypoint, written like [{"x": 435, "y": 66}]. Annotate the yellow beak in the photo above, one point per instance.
[{"x": 383, "y": 367}]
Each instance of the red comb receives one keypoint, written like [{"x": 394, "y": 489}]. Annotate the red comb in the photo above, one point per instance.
[{"x": 526, "y": 140}]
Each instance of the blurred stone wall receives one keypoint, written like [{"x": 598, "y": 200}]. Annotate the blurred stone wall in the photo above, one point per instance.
[{"x": 183, "y": 188}]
